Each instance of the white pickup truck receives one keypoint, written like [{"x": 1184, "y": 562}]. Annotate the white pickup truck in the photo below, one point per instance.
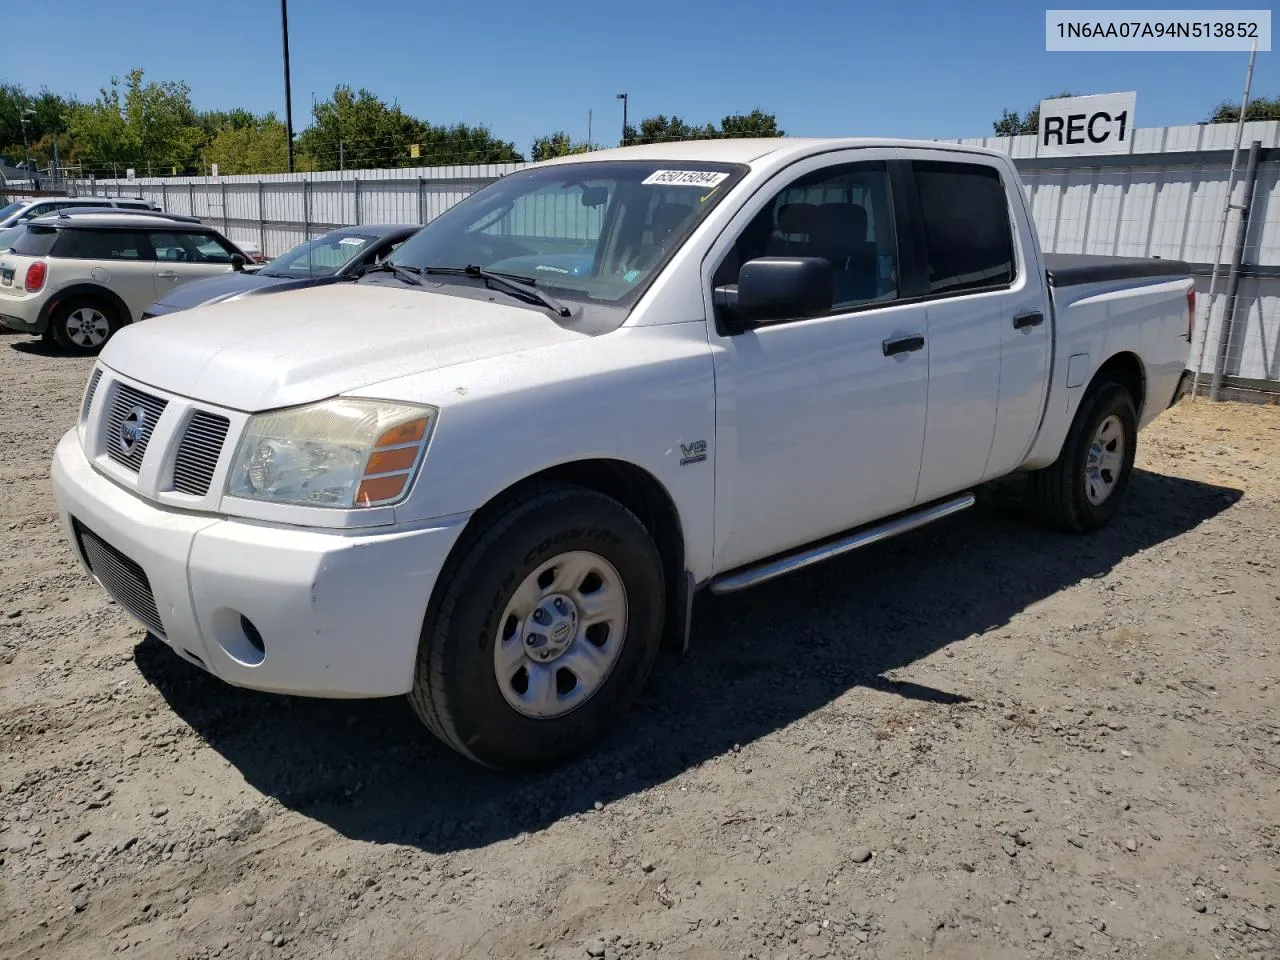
[{"x": 493, "y": 472}]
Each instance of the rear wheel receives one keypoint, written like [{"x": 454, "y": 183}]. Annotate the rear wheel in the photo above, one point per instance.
[
  {"x": 1083, "y": 489},
  {"x": 83, "y": 326},
  {"x": 546, "y": 629}
]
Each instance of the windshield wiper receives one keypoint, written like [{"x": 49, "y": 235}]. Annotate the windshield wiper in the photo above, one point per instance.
[
  {"x": 410, "y": 275},
  {"x": 517, "y": 286}
]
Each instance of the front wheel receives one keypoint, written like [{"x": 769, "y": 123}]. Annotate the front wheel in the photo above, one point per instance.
[
  {"x": 545, "y": 630},
  {"x": 1082, "y": 490}
]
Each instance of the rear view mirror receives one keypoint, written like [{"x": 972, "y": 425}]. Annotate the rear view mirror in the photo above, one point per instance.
[
  {"x": 595, "y": 196},
  {"x": 774, "y": 289}
]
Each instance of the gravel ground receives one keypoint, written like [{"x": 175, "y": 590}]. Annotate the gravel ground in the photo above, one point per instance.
[{"x": 979, "y": 741}]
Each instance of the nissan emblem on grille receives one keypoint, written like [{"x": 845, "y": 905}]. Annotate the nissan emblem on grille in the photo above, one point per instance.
[{"x": 131, "y": 429}]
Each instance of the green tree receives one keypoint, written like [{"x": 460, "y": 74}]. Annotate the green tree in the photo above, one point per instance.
[
  {"x": 661, "y": 129},
  {"x": 48, "y": 118},
  {"x": 357, "y": 129},
  {"x": 757, "y": 123},
  {"x": 149, "y": 126},
  {"x": 1012, "y": 125},
  {"x": 258, "y": 147},
  {"x": 558, "y": 144},
  {"x": 1263, "y": 108}
]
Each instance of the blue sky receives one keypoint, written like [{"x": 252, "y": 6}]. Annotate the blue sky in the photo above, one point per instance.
[{"x": 913, "y": 69}]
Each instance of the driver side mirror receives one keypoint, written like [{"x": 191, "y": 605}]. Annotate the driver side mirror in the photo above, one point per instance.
[
  {"x": 238, "y": 261},
  {"x": 776, "y": 289}
]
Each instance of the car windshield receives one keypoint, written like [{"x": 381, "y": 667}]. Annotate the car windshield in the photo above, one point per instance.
[
  {"x": 11, "y": 209},
  {"x": 587, "y": 231},
  {"x": 321, "y": 257},
  {"x": 9, "y": 236}
]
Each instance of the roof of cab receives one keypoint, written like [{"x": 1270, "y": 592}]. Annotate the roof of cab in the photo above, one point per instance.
[{"x": 749, "y": 150}]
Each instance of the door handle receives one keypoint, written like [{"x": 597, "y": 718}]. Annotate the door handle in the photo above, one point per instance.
[
  {"x": 898, "y": 345},
  {"x": 167, "y": 274},
  {"x": 1023, "y": 320}
]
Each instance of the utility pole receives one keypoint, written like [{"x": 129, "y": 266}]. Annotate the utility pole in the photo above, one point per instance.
[
  {"x": 288, "y": 93},
  {"x": 26, "y": 147},
  {"x": 588, "y": 127},
  {"x": 623, "y": 98}
]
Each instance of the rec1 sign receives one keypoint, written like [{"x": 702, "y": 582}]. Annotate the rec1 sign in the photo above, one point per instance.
[{"x": 1071, "y": 126}]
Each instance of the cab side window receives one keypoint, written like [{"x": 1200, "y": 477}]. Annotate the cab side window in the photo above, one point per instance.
[
  {"x": 842, "y": 214},
  {"x": 102, "y": 245},
  {"x": 967, "y": 233},
  {"x": 173, "y": 247}
]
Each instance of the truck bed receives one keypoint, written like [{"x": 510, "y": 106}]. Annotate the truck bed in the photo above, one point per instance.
[{"x": 1071, "y": 269}]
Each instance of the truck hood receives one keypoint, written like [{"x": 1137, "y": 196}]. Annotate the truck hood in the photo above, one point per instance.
[{"x": 306, "y": 345}]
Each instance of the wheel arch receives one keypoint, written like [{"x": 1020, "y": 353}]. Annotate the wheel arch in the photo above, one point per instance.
[
  {"x": 639, "y": 491},
  {"x": 1126, "y": 369},
  {"x": 84, "y": 291}
]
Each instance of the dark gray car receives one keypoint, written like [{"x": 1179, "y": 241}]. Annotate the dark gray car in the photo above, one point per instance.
[{"x": 329, "y": 258}]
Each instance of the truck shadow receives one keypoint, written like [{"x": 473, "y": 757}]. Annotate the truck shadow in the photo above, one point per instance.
[{"x": 758, "y": 662}]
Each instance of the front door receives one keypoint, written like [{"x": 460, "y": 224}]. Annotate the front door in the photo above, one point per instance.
[
  {"x": 819, "y": 422},
  {"x": 182, "y": 257}
]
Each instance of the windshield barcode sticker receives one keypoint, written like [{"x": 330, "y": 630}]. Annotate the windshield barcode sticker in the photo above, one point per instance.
[
  {"x": 351, "y": 241},
  {"x": 685, "y": 178}
]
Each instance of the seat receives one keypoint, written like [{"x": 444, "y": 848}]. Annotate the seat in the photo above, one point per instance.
[{"x": 840, "y": 235}]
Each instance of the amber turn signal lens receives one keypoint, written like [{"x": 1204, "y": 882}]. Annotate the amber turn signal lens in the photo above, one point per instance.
[
  {"x": 388, "y": 461},
  {"x": 380, "y": 488},
  {"x": 411, "y": 432}
]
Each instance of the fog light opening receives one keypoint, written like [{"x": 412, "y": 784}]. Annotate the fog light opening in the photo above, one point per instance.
[
  {"x": 238, "y": 637},
  {"x": 253, "y": 636}
]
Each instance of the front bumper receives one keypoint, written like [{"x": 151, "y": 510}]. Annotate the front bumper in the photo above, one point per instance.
[{"x": 283, "y": 609}]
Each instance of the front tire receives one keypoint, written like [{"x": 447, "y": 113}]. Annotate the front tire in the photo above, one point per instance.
[
  {"x": 544, "y": 631},
  {"x": 1083, "y": 489},
  {"x": 83, "y": 327}
]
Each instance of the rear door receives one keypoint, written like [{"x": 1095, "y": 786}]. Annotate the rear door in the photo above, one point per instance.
[
  {"x": 988, "y": 336},
  {"x": 185, "y": 255}
]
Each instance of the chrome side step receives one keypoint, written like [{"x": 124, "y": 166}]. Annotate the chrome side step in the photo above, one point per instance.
[{"x": 750, "y": 576}]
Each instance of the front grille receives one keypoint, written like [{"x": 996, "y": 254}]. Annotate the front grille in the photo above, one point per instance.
[
  {"x": 88, "y": 394},
  {"x": 198, "y": 453},
  {"x": 123, "y": 579},
  {"x": 124, "y": 401}
]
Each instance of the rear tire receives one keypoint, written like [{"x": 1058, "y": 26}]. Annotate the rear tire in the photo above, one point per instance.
[
  {"x": 545, "y": 629},
  {"x": 1083, "y": 489},
  {"x": 83, "y": 327}
]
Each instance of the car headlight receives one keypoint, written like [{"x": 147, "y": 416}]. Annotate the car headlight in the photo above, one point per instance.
[{"x": 339, "y": 453}]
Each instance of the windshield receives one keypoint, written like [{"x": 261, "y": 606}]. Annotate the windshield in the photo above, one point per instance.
[
  {"x": 320, "y": 257},
  {"x": 587, "y": 231},
  {"x": 9, "y": 236},
  {"x": 10, "y": 210}
]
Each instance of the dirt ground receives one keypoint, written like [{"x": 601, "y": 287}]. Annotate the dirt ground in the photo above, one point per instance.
[{"x": 982, "y": 740}]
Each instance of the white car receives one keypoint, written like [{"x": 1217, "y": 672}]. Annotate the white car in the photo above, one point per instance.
[
  {"x": 494, "y": 471},
  {"x": 20, "y": 211},
  {"x": 77, "y": 279}
]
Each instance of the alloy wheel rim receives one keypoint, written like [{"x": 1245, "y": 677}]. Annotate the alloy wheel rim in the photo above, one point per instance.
[{"x": 87, "y": 327}]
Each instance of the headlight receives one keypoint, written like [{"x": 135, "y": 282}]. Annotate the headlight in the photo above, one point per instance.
[{"x": 339, "y": 453}]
